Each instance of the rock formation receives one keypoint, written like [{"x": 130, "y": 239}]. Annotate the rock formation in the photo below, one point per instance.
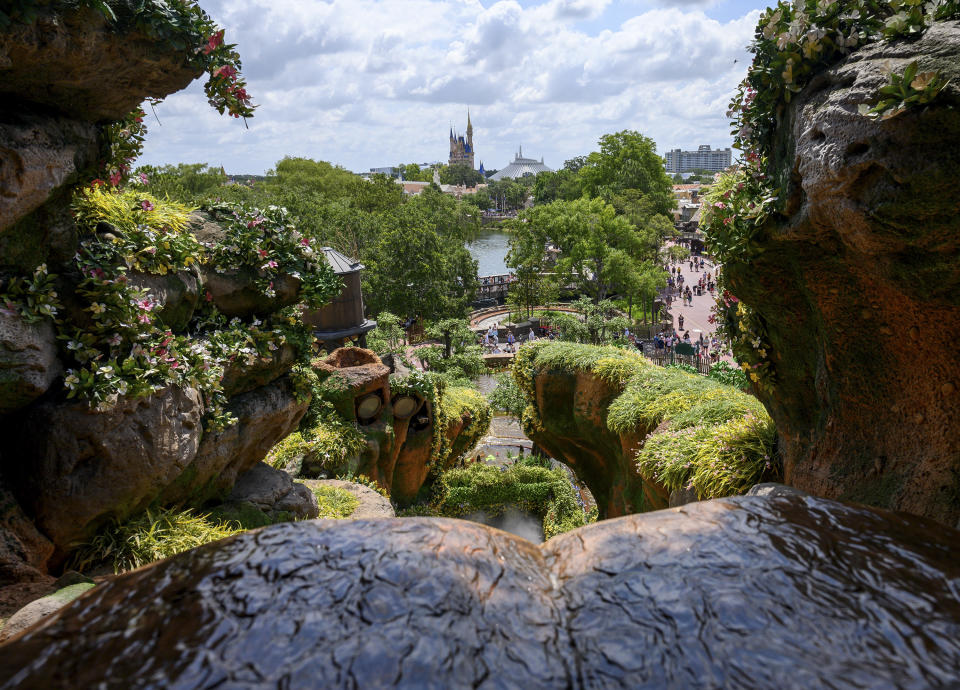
[
  {"x": 858, "y": 285},
  {"x": 402, "y": 443},
  {"x": 572, "y": 408},
  {"x": 71, "y": 466},
  {"x": 746, "y": 591}
]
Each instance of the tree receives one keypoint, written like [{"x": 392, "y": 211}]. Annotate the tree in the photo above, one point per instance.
[
  {"x": 528, "y": 261},
  {"x": 460, "y": 174},
  {"x": 184, "y": 182},
  {"x": 415, "y": 267},
  {"x": 628, "y": 160},
  {"x": 414, "y": 173},
  {"x": 552, "y": 186},
  {"x": 597, "y": 247}
]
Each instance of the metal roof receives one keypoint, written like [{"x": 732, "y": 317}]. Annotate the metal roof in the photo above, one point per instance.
[
  {"x": 340, "y": 264},
  {"x": 521, "y": 167}
]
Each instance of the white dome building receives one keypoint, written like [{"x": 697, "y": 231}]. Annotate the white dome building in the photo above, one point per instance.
[{"x": 521, "y": 167}]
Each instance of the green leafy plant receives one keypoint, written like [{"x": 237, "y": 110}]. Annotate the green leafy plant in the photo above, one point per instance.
[
  {"x": 33, "y": 297},
  {"x": 904, "y": 91},
  {"x": 148, "y": 537}
]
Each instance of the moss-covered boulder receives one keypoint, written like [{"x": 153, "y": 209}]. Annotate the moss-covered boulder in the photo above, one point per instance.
[
  {"x": 857, "y": 285},
  {"x": 635, "y": 432}
]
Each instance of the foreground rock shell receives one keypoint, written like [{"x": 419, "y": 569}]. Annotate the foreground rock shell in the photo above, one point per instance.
[{"x": 786, "y": 591}]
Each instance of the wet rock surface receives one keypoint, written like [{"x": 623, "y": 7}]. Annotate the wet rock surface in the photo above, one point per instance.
[
  {"x": 788, "y": 591},
  {"x": 858, "y": 283}
]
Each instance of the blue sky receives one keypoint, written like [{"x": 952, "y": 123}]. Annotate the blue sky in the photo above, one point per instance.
[{"x": 366, "y": 83}]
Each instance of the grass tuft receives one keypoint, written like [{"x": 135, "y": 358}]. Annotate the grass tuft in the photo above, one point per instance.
[{"x": 149, "y": 537}]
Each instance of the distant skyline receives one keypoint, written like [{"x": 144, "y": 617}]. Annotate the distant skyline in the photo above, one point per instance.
[{"x": 371, "y": 83}]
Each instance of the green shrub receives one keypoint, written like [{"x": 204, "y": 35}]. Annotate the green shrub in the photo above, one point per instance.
[
  {"x": 526, "y": 485},
  {"x": 149, "y": 537},
  {"x": 718, "y": 460},
  {"x": 507, "y": 396},
  {"x": 723, "y": 373}
]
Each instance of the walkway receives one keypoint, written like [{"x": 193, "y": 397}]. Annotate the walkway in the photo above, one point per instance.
[{"x": 695, "y": 318}]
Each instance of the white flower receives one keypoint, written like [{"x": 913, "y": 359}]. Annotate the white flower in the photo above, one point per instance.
[
  {"x": 71, "y": 381},
  {"x": 98, "y": 307}
]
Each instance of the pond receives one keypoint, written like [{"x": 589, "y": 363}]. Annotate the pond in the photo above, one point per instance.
[
  {"x": 514, "y": 521},
  {"x": 490, "y": 248}
]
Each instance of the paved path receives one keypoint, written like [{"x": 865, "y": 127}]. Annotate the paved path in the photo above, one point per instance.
[{"x": 695, "y": 317}]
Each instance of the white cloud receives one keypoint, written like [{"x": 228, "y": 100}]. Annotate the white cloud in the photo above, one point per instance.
[{"x": 364, "y": 83}]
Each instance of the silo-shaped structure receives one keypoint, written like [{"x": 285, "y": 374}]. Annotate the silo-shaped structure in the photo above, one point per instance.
[{"x": 343, "y": 318}]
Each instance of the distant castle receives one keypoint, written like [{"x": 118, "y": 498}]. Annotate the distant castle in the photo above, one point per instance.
[{"x": 461, "y": 150}]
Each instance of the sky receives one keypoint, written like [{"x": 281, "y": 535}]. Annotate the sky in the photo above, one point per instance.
[{"x": 371, "y": 83}]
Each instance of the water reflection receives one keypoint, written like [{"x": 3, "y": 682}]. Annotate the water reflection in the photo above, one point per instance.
[{"x": 490, "y": 249}]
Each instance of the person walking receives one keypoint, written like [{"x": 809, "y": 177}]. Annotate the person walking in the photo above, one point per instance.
[
  {"x": 510, "y": 341},
  {"x": 680, "y": 321}
]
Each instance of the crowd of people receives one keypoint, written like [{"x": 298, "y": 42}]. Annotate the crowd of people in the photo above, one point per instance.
[
  {"x": 685, "y": 288},
  {"x": 490, "y": 341}
]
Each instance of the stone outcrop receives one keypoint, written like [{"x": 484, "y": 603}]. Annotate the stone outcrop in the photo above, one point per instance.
[
  {"x": 28, "y": 360},
  {"x": 274, "y": 493},
  {"x": 176, "y": 295},
  {"x": 746, "y": 591},
  {"x": 239, "y": 376},
  {"x": 235, "y": 293},
  {"x": 41, "y": 608},
  {"x": 85, "y": 65},
  {"x": 66, "y": 73},
  {"x": 264, "y": 416},
  {"x": 370, "y": 503},
  {"x": 573, "y": 409},
  {"x": 73, "y": 468},
  {"x": 858, "y": 283}
]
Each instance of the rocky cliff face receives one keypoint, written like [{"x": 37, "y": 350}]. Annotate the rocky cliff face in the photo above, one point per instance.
[
  {"x": 858, "y": 284},
  {"x": 72, "y": 465},
  {"x": 746, "y": 591}
]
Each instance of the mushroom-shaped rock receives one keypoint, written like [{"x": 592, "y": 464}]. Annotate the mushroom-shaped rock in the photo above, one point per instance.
[{"x": 780, "y": 592}]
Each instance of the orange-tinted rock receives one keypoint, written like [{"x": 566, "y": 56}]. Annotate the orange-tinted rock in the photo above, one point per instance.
[
  {"x": 785, "y": 592},
  {"x": 859, "y": 286},
  {"x": 573, "y": 409}
]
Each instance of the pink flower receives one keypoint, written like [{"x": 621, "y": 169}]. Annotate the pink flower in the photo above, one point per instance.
[
  {"x": 225, "y": 71},
  {"x": 272, "y": 263},
  {"x": 146, "y": 205},
  {"x": 728, "y": 220},
  {"x": 305, "y": 242},
  {"x": 115, "y": 178},
  {"x": 144, "y": 318},
  {"x": 726, "y": 194},
  {"x": 143, "y": 178},
  {"x": 209, "y": 296},
  {"x": 213, "y": 42},
  {"x": 262, "y": 253}
]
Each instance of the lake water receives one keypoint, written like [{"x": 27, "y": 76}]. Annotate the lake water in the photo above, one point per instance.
[{"x": 490, "y": 250}]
